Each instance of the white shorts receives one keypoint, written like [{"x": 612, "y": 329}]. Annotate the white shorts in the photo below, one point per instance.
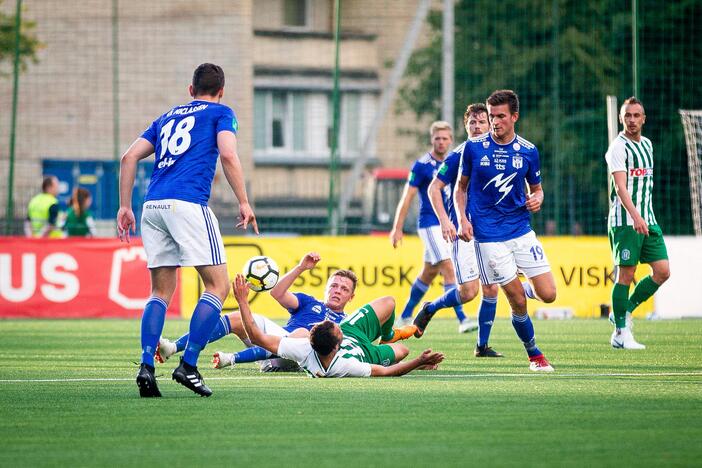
[
  {"x": 269, "y": 327},
  {"x": 180, "y": 233},
  {"x": 436, "y": 249},
  {"x": 464, "y": 262},
  {"x": 499, "y": 261}
]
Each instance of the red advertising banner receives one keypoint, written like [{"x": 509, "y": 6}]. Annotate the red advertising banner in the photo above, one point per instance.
[{"x": 74, "y": 278}]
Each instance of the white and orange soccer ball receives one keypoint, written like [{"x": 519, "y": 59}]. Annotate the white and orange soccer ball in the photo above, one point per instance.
[{"x": 261, "y": 273}]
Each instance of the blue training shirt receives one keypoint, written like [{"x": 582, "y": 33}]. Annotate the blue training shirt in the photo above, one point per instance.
[
  {"x": 310, "y": 311},
  {"x": 185, "y": 142},
  {"x": 423, "y": 171},
  {"x": 496, "y": 192}
]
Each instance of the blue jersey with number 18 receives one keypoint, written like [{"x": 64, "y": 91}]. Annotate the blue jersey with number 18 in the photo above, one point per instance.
[{"x": 185, "y": 142}]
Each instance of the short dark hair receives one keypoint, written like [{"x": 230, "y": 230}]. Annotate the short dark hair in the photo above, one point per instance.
[
  {"x": 475, "y": 108},
  {"x": 631, "y": 100},
  {"x": 47, "y": 182},
  {"x": 504, "y": 96},
  {"x": 323, "y": 339},
  {"x": 347, "y": 274},
  {"x": 208, "y": 79}
]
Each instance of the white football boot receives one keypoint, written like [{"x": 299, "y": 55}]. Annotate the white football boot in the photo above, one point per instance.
[
  {"x": 220, "y": 360},
  {"x": 629, "y": 320},
  {"x": 467, "y": 325},
  {"x": 622, "y": 338},
  {"x": 165, "y": 349}
]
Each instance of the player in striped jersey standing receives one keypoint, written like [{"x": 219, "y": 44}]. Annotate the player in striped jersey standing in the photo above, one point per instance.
[{"x": 634, "y": 234}]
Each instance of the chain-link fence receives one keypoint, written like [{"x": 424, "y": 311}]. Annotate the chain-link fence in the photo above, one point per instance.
[{"x": 105, "y": 68}]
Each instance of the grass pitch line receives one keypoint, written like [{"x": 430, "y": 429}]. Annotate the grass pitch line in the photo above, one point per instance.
[{"x": 421, "y": 376}]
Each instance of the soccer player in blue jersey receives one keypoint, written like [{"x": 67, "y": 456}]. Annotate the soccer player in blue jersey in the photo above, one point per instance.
[
  {"x": 465, "y": 264},
  {"x": 437, "y": 252},
  {"x": 498, "y": 165},
  {"x": 305, "y": 311},
  {"x": 178, "y": 229}
]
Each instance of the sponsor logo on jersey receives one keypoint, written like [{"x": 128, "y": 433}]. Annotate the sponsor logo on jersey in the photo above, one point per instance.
[
  {"x": 641, "y": 172},
  {"x": 486, "y": 144},
  {"x": 502, "y": 184},
  {"x": 485, "y": 161},
  {"x": 235, "y": 125},
  {"x": 411, "y": 177},
  {"x": 517, "y": 161},
  {"x": 443, "y": 169},
  {"x": 317, "y": 308},
  {"x": 517, "y": 146}
]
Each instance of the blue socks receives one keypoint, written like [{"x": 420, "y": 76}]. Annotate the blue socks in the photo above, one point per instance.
[
  {"x": 525, "y": 331},
  {"x": 486, "y": 317},
  {"x": 449, "y": 299},
  {"x": 222, "y": 329},
  {"x": 457, "y": 308},
  {"x": 254, "y": 353},
  {"x": 202, "y": 323},
  {"x": 151, "y": 327},
  {"x": 416, "y": 294}
]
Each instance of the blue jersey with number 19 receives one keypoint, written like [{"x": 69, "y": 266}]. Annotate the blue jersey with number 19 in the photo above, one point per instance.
[
  {"x": 185, "y": 142},
  {"x": 496, "y": 193}
]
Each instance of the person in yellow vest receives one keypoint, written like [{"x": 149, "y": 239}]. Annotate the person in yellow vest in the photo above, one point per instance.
[{"x": 43, "y": 211}]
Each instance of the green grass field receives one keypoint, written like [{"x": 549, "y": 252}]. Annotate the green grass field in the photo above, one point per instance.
[{"x": 68, "y": 398}]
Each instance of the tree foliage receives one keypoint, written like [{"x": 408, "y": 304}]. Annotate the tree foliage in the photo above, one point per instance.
[
  {"x": 29, "y": 44},
  {"x": 563, "y": 57}
]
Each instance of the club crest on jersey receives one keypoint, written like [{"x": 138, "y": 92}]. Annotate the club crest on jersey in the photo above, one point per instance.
[
  {"x": 626, "y": 255},
  {"x": 502, "y": 185},
  {"x": 486, "y": 144},
  {"x": 516, "y": 146},
  {"x": 517, "y": 161},
  {"x": 484, "y": 161}
]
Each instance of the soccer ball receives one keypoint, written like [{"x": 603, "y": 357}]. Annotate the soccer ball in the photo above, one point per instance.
[{"x": 261, "y": 273}]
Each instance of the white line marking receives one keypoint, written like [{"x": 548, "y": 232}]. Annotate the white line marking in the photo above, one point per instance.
[{"x": 419, "y": 374}]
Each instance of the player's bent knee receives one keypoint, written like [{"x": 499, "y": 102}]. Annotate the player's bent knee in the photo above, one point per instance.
[
  {"x": 468, "y": 291},
  {"x": 548, "y": 296},
  {"x": 401, "y": 351}
]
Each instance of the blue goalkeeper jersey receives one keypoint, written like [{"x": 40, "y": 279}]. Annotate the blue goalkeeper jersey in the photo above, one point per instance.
[
  {"x": 185, "y": 143},
  {"x": 423, "y": 171},
  {"x": 498, "y": 175},
  {"x": 310, "y": 311}
]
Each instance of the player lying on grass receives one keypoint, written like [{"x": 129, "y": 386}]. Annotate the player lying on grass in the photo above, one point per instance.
[
  {"x": 305, "y": 311},
  {"x": 346, "y": 350}
]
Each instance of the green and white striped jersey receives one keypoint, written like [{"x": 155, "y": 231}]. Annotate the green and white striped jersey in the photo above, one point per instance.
[
  {"x": 635, "y": 159},
  {"x": 347, "y": 362}
]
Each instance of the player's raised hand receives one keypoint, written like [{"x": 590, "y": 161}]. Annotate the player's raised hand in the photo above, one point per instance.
[
  {"x": 240, "y": 288},
  {"x": 125, "y": 223},
  {"x": 246, "y": 216},
  {"x": 396, "y": 237},
  {"x": 310, "y": 260},
  {"x": 534, "y": 201},
  {"x": 465, "y": 230}
]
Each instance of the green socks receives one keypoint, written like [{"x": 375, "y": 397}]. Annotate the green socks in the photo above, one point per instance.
[
  {"x": 386, "y": 331},
  {"x": 620, "y": 303},
  {"x": 643, "y": 290}
]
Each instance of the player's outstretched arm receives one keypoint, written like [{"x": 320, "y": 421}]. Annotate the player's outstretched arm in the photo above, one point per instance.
[
  {"x": 281, "y": 291},
  {"x": 401, "y": 213},
  {"x": 231, "y": 165},
  {"x": 640, "y": 225},
  {"x": 426, "y": 360},
  {"x": 140, "y": 149},
  {"x": 255, "y": 334}
]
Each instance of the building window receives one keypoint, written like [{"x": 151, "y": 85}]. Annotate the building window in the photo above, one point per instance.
[
  {"x": 295, "y": 126},
  {"x": 296, "y": 13}
]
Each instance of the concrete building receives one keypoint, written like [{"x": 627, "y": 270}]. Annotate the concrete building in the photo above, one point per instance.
[{"x": 278, "y": 56}]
